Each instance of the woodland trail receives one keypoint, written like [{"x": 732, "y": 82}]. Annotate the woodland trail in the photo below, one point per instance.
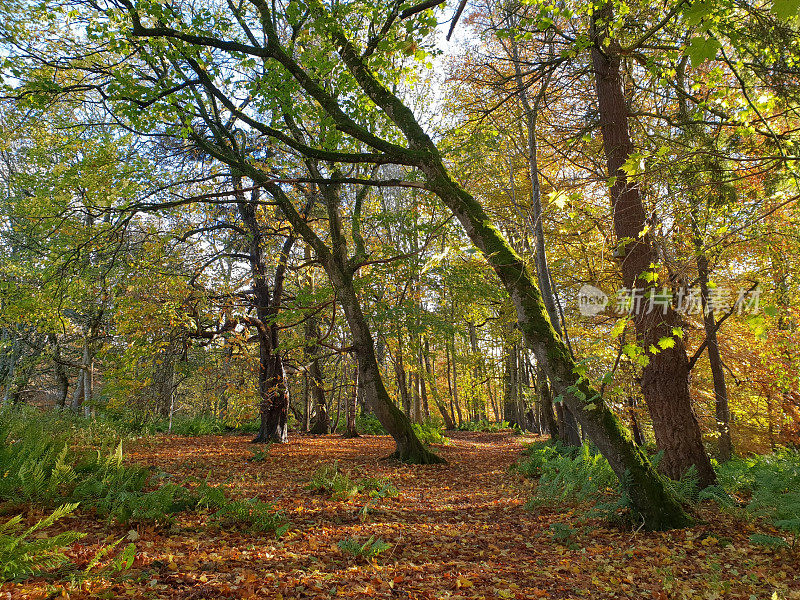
[
  {"x": 457, "y": 531},
  {"x": 454, "y": 528}
]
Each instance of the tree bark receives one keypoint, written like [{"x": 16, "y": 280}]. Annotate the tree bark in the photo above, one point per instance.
[
  {"x": 352, "y": 403},
  {"x": 423, "y": 388},
  {"x": 455, "y": 407},
  {"x": 511, "y": 390},
  {"x": 665, "y": 379},
  {"x": 437, "y": 400},
  {"x": 60, "y": 372},
  {"x": 721, "y": 407},
  {"x": 272, "y": 388}
]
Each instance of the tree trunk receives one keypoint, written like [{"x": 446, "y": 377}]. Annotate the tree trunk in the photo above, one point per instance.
[
  {"x": 352, "y": 402},
  {"x": 423, "y": 388},
  {"x": 721, "y": 408},
  {"x": 409, "y": 448},
  {"x": 272, "y": 388},
  {"x": 546, "y": 400},
  {"x": 510, "y": 391},
  {"x": 568, "y": 426},
  {"x": 62, "y": 379},
  {"x": 437, "y": 400},
  {"x": 83, "y": 389},
  {"x": 651, "y": 496},
  {"x": 322, "y": 420},
  {"x": 274, "y": 405},
  {"x": 635, "y": 429},
  {"x": 451, "y": 389},
  {"x": 306, "y": 404},
  {"x": 665, "y": 379},
  {"x": 77, "y": 395},
  {"x": 402, "y": 377},
  {"x": 335, "y": 262}
]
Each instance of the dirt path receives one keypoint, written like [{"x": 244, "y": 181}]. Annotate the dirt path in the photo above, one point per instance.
[{"x": 458, "y": 528}]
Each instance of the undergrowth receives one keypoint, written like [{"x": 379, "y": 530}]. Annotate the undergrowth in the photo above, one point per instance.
[
  {"x": 371, "y": 548},
  {"x": 768, "y": 486},
  {"x": 339, "y": 485},
  {"x": 484, "y": 426},
  {"x": 29, "y": 551},
  {"x": 40, "y": 467},
  {"x": 430, "y": 432},
  {"x": 23, "y": 552}
]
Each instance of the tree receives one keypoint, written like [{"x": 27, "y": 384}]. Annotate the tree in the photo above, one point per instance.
[{"x": 665, "y": 379}]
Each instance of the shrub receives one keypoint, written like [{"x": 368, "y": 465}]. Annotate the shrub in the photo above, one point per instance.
[
  {"x": 194, "y": 425},
  {"x": 485, "y": 426}
]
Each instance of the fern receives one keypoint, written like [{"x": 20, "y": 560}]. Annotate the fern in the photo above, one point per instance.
[
  {"x": 257, "y": 516},
  {"x": 210, "y": 496},
  {"x": 120, "y": 563},
  {"x": 773, "y": 482},
  {"x": 21, "y": 556},
  {"x": 430, "y": 432},
  {"x": 566, "y": 479},
  {"x": 329, "y": 479},
  {"x": 369, "y": 549}
]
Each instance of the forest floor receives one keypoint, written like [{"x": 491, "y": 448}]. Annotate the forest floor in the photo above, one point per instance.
[{"x": 456, "y": 531}]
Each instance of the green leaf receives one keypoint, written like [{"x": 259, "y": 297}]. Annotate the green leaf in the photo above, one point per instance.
[
  {"x": 619, "y": 327},
  {"x": 666, "y": 342},
  {"x": 785, "y": 9},
  {"x": 697, "y": 11},
  {"x": 701, "y": 49}
]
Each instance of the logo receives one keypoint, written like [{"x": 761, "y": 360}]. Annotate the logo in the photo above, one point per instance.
[{"x": 591, "y": 300}]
